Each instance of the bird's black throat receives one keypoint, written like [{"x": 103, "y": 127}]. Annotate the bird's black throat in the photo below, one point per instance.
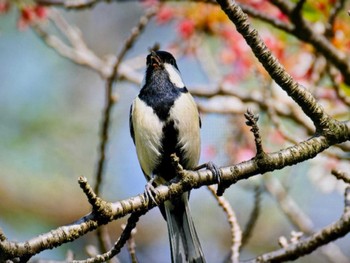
[{"x": 160, "y": 94}]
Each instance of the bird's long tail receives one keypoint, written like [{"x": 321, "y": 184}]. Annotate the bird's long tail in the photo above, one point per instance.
[{"x": 184, "y": 242}]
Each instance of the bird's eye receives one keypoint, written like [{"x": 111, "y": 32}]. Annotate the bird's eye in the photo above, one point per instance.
[{"x": 172, "y": 61}]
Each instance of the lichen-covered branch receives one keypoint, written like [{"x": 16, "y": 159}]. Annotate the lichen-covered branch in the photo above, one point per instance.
[
  {"x": 189, "y": 180},
  {"x": 307, "y": 245},
  {"x": 298, "y": 93},
  {"x": 305, "y": 32}
]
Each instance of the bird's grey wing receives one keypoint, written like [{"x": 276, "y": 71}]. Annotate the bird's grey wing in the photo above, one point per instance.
[{"x": 131, "y": 126}]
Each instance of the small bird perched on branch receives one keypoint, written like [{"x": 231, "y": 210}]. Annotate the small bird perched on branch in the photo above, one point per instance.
[{"x": 164, "y": 120}]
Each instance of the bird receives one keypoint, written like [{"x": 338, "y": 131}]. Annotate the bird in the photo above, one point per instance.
[{"x": 164, "y": 120}]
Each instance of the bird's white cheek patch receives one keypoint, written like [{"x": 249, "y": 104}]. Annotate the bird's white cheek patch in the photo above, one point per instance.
[{"x": 174, "y": 75}]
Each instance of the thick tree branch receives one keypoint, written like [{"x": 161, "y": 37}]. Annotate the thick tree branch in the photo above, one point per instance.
[
  {"x": 298, "y": 93},
  {"x": 190, "y": 180},
  {"x": 328, "y": 132}
]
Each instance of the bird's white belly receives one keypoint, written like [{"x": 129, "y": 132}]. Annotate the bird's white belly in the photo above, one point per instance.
[
  {"x": 186, "y": 120},
  {"x": 148, "y": 131}
]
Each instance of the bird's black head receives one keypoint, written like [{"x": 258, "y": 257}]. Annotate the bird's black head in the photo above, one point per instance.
[
  {"x": 156, "y": 60},
  {"x": 162, "y": 71}
]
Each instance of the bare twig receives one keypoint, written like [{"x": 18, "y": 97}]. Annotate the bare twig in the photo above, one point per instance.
[
  {"x": 287, "y": 110},
  {"x": 236, "y": 232},
  {"x": 253, "y": 218},
  {"x": 109, "y": 100},
  {"x": 252, "y": 121},
  {"x": 70, "y": 4},
  {"x": 340, "y": 93},
  {"x": 298, "y": 93},
  {"x": 334, "y": 12},
  {"x": 230, "y": 175},
  {"x": 125, "y": 236},
  {"x": 293, "y": 212},
  {"x": 341, "y": 176},
  {"x": 307, "y": 245},
  {"x": 304, "y": 31},
  {"x": 77, "y": 50},
  {"x": 132, "y": 246},
  {"x": 266, "y": 18},
  {"x": 298, "y": 218}
]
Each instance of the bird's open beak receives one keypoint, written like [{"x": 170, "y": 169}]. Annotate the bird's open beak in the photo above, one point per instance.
[{"x": 155, "y": 60}]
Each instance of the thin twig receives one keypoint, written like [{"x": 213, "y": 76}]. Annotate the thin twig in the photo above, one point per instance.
[
  {"x": 297, "y": 217},
  {"x": 109, "y": 100},
  {"x": 253, "y": 12},
  {"x": 304, "y": 31},
  {"x": 289, "y": 207},
  {"x": 132, "y": 246},
  {"x": 338, "y": 90},
  {"x": 126, "y": 234},
  {"x": 236, "y": 232},
  {"x": 307, "y": 245},
  {"x": 230, "y": 175},
  {"x": 70, "y": 4},
  {"x": 252, "y": 121},
  {"x": 299, "y": 94},
  {"x": 253, "y": 218},
  {"x": 341, "y": 176},
  {"x": 334, "y": 12}
]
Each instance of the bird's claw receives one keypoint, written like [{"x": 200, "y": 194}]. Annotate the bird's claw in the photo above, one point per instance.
[
  {"x": 217, "y": 174},
  {"x": 150, "y": 192}
]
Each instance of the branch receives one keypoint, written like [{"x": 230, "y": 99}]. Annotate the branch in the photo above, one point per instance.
[
  {"x": 305, "y": 32},
  {"x": 298, "y": 93},
  {"x": 338, "y": 90},
  {"x": 253, "y": 218},
  {"x": 77, "y": 50},
  {"x": 70, "y": 4},
  {"x": 189, "y": 180},
  {"x": 110, "y": 101},
  {"x": 266, "y": 18},
  {"x": 307, "y": 245},
  {"x": 282, "y": 110},
  {"x": 293, "y": 212},
  {"x": 252, "y": 121},
  {"x": 341, "y": 176},
  {"x": 298, "y": 218},
  {"x": 334, "y": 12},
  {"x": 125, "y": 236},
  {"x": 104, "y": 133},
  {"x": 236, "y": 232}
]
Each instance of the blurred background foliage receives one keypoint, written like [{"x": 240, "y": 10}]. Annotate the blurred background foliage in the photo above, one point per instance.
[{"x": 51, "y": 109}]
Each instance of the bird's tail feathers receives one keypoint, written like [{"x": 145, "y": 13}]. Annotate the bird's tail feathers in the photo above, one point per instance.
[{"x": 184, "y": 241}]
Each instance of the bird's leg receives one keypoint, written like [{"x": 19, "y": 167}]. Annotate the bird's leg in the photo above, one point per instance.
[{"x": 217, "y": 174}]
